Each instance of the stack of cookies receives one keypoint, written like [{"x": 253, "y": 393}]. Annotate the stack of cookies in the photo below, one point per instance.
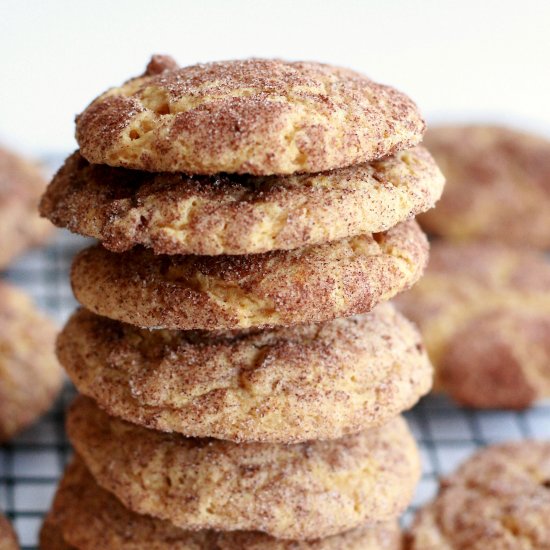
[{"x": 242, "y": 377}]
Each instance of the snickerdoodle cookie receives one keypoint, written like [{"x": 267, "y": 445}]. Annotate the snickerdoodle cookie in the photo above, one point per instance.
[
  {"x": 498, "y": 185},
  {"x": 231, "y": 214},
  {"x": 498, "y": 500},
  {"x": 484, "y": 313},
  {"x": 30, "y": 376},
  {"x": 303, "y": 491},
  {"x": 306, "y": 285},
  {"x": 8, "y": 539},
  {"x": 256, "y": 116},
  {"x": 51, "y": 536},
  {"x": 88, "y": 517},
  {"x": 21, "y": 185},
  {"x": 277, "y": 385}
]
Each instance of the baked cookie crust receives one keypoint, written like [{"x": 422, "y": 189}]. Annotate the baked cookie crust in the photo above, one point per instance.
[
  {"x": 229, "y": 214},
  {"x": 484, "y": 313},
  {"x": 498, "y": 186},
  {"x": 21, "y": 184},
  {"x": 305, "y": 491},
  {"x": 30, "y": 376},
  {"x": 308, "y": 285},
  {"x": 255, "y": 116},
  {"x": 8, "y": 538},
  {"x": 499, "y": 499},
  {"x": 90, "y": 518},
  {"x": 281, "y": 385}
]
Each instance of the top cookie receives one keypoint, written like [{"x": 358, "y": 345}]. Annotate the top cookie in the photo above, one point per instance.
[
  {"x": 498, "y": 185},
  {"x": 21, "y": 184},
  {"x": 498, "y": 500},
  {"x": 255, "y": 116}
]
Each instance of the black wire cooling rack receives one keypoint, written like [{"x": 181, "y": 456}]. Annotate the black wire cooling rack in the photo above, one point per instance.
[{"x": 30, "y": 466}]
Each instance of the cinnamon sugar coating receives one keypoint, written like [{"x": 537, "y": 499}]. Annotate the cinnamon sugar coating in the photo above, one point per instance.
[
  {"x": 91, "y": 518},
  {"x": 224, "y": 214},
  {"x": 51, "y": 537},
  {"x": 484, "y": 313},
  {"x": 275, "y": 385},
  {"x": 8, "y": 539},
  {"x": 30, "y": 376},
  {"x": 498, "y": 185},
  {"x": 497, "y": 500},
  {"x": 21, "y": 185},
  {"x": 255, "y": 116},
  {"x": 305, "y": 491},
  {"x": 312, "y": 284}
]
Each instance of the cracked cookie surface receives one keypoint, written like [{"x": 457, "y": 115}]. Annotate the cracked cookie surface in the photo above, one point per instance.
[
  {"x": 89, "y": 517},
  {"x": 279, "y": 385},
  {"x": 497, "y": 500},
  {"x": 304, "y": 491},
  {"x": 255, "y": 116},
  {"x": 307, "y": 285},
  {"x": 223, "y": 214}
]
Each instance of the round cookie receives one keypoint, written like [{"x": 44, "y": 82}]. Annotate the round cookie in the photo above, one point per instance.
[
  {"x": 274, "y": 385},
  {"x": 484, "y": 313},
  {"x": 8, "y": 538},
  {"x": 30, "y": 376},
  {"x": 499, "y": 499},
  {"x": 255, "y": 116},
  {"x": 308, "y": 285},
  {"x": 498, "y": 185},
  {"x": 21, "y": 185},
  {"x": 230, "y": 214},
  {"x": 305, "y": 491},
  {"x": 89, "y": 518}
]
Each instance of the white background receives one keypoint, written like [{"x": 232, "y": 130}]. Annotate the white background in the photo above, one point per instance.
[{"x": 465, "y": 59}]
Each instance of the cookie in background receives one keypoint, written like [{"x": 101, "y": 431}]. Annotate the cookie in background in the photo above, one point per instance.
[
  {"x": 498, "y": 186},
  {"x": 21, "y": 228},
  {"x": 293, "y": 384},
  {"x": 8, "y": 538},
  {"x": 484, "y": 313},
  {"x": 30, "y": 376},
  {"x": 499, "y": 498}
]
